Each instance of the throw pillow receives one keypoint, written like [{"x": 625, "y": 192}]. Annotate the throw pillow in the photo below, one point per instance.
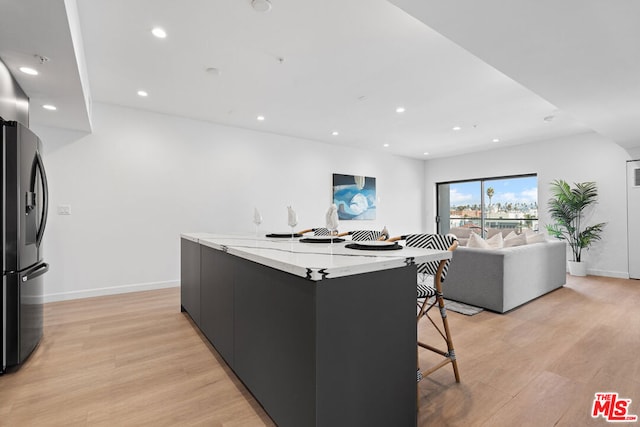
[
  {"x": 496, "y": 241},
  {"x": 533, "y": 237},
  {"x": 510, "y": 235},
  {"x": 514, "y": 239},
  {"x": 475, "y": 241}
]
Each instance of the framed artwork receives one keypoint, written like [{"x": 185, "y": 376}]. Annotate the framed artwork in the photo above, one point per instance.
[{"x": 355, "y": 196}]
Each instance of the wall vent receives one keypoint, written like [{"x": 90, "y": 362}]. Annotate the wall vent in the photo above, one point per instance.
[{"x": 636, "y": 177}]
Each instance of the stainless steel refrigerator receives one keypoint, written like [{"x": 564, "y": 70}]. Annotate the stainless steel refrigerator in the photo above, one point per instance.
[{"x": 24, "y": 216}]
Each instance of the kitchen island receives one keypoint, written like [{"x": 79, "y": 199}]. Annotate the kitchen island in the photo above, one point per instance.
[{"x": 321, "y": 334}]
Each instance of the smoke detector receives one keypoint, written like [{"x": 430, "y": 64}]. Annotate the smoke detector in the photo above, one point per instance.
[{"x": 261, "y": 5}]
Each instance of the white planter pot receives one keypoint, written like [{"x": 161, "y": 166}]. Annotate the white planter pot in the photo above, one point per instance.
[{"x": 577, "y": 268}]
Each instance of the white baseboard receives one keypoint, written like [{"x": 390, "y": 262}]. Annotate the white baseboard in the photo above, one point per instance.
[
  {"x": 97, "y": 292},
  {"x": 605, "y": 273}
]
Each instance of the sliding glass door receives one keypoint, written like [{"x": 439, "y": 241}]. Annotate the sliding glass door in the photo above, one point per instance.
[
  {"x": 500, "y": 203},
  {"x": 459, "y": 205}
]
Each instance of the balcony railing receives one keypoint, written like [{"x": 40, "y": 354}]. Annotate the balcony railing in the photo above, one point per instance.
[{"x": 517, "y": 224}]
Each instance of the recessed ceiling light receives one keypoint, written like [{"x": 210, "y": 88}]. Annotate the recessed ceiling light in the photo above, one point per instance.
[
  {"x": 49, "y": 107},
  {"x": 261, "y": 5},
  {"x": 495, "y": 140},
  {"x": 213, "y": 70},
  {"x": 400, "y": 110},
  {"x": 29, "y": 71},
  {"x": 426, "y": 153},
  {"x": 142, "y": 93},
  {"x": 260, "y": 118},
  {"x": 385, "y": 145},
  {"x": 335, "y": 133},
  {"x": 456, "y": 128},
  {"x": 159, "y": 33}
]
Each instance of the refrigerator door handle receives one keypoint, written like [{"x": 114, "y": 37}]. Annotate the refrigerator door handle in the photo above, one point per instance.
[
  {"x": 34, "y": 272},
  {"x": 39, "y": 165},
  {"x": 30, "y": 203}
]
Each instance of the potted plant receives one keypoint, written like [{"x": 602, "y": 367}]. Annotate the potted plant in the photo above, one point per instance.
[{"x": 567, "y": 208}]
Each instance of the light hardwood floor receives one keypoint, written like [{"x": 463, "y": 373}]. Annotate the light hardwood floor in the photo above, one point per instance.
[{"x": 135, "y": 359}]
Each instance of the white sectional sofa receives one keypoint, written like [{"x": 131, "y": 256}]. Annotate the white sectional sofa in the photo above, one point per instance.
[{"x": 502, "y": 279}]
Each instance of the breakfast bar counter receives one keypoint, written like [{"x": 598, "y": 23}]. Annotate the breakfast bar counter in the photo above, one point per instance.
[{"x": 321, "y": 334}]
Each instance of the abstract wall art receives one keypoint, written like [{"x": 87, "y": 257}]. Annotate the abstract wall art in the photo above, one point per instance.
[{"x": 355, "y": 196}]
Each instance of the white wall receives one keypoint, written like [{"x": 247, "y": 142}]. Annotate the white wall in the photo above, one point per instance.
[
  {"x": 587, "y": 157},
  {"x": 140, "y": 179}
]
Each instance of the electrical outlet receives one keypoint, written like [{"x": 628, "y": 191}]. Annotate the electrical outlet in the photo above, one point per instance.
[{"x": 64, "y": 209}]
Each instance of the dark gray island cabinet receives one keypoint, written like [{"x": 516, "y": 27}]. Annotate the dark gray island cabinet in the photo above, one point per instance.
[{"x": 322, "y": 335}]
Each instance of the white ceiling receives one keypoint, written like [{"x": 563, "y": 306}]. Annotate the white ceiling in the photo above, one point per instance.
[
  {"x": 32, "y": 28},
  {"x": 581, "y": 55},
  {"x": 314, "y": 67}
]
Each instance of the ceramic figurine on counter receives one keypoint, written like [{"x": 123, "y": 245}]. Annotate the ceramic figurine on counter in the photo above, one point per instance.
[
  {"x": 292, "y": 219},
  {"x": 257, "y": 219},
  {"x": 332, "y": 219}
]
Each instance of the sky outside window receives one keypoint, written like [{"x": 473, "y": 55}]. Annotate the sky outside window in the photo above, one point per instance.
[{"x": 521, "y": 190}]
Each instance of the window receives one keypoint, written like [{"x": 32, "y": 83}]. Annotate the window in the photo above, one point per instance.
[{"x": 505, "y": 203}]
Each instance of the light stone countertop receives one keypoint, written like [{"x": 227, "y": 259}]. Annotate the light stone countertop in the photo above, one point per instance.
[{"x": 314, "y": 261}]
